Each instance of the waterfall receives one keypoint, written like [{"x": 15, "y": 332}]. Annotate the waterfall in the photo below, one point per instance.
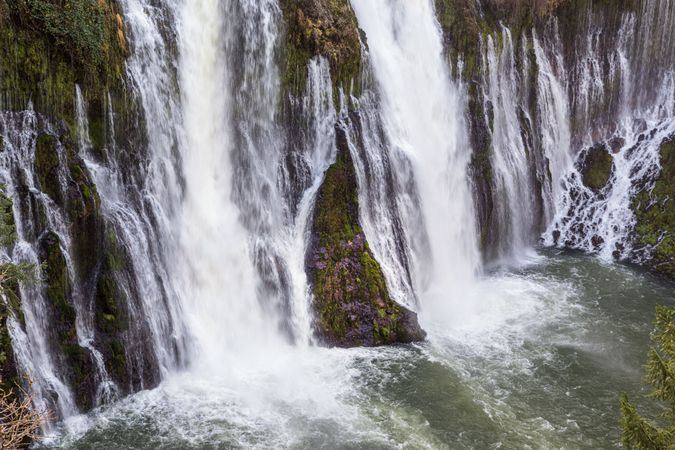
[
  {"x": 32, "y": 340},
  {"x": 206, "y": 205},
  {"x": 623, "y": 107},
  {"x": 423, "y": 121},
  {"x": 513, "y": 183}
]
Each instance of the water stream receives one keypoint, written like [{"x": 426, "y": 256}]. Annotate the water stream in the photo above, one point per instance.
[{"x": 213, "y": 219}]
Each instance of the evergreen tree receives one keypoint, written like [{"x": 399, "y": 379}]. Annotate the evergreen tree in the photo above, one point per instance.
[{"x": 639, "y": 432}]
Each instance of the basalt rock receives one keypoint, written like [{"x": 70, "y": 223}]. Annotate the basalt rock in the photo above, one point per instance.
[
  {"x": 325, "y": 28},
  {"x": 596, "y": 167},
  {"x": 655, "y": 214},
  {"x": 352, "y": 304}
]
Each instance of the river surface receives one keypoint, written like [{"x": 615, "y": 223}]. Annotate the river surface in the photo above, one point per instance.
[{"x": 537, "y": 358}]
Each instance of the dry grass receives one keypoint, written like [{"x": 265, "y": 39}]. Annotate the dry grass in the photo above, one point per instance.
[{"x": 20, "y": 422}]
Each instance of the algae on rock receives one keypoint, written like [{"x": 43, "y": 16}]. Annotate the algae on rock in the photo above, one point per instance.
[
  {"x": 655, "y": 214},
  {"x": 351, "y": 301}
]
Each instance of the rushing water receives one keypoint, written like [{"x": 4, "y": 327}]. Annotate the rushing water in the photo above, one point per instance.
[
  {"x": 540, "y": 362},
  {"x": 214, "y": 222}
]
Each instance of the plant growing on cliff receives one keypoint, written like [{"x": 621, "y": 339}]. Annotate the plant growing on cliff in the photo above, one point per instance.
[
  {"x": 642, "y": 433},
  {"x": 19, "y": 420}
]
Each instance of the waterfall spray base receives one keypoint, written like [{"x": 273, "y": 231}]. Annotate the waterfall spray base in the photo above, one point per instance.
[{"x": 539, "y": 359}]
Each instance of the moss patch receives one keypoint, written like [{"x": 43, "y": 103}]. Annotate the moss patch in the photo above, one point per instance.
[
  {"x": 596, "y": 168},
  {"x": 47, "y": 166},
  {"x": 320, "y": 27},
  {"x": 655, "y": 214},
  {"x": 351, "y": 300}
]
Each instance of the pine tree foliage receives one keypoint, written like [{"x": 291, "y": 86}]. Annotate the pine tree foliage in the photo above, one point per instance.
[{"x": 641, "y": 433}]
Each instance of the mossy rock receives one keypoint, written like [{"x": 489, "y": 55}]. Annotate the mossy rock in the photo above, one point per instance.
[
  {"x": 320, "y": 28},
  {"x": 655, "y": 216},
  {"x": 596, "y": 167},
  {"x": 9, "y": 377},
  {"x": 351, "y": 301},
  {"x": 47, "y": 166},
  {"x": 78, "y": 363}
]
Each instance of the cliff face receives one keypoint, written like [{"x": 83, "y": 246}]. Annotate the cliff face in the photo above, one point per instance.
[
  {"x": 572, "y": 73},
  {"x": 531, "y": 73},
  {"x": 48, "y": 50}
]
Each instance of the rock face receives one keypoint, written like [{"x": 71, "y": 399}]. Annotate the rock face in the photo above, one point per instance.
[
  {"x": 655, "y": 214},
  {"x": 596, "y": 167},
  {"x": 351, "y": 302},
  {"x": 325, "y": 28}
]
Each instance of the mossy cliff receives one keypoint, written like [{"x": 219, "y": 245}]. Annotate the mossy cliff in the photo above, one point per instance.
[
  {"x": 47, "y": 49},
  {"x": 325, "y": 28},
  {"x": 48, "y": 46},
  {"x": 655, "y": 214},
  {"x": 10, "y": 305},
  {"x": 95, "y": 258},
  {"x": 466, "y": 27},
  {"x": 351, "y": 300}
]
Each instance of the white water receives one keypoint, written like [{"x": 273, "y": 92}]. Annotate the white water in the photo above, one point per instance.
[
  {"x": 224, "y": 255},
  {"x": 31, "y": 343},
  {"x": 639, "y": 119},
  {"x": 513, "y": 176},
  {"x": 422, "y": 114}
]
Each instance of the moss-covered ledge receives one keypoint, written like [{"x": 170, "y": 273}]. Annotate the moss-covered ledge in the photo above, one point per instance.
[
  {"x": 655, "y": 214},
  {"x": 351, "y": 303},
  {"x": 49, "y": 46},
  {"x": 325, "y": 28}
]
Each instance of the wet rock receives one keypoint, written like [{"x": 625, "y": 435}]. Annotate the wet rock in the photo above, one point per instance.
[
  {"x": 616, "y": 144},
  {"x": 352, "y": 304},
  {"x": 654, "y": 245},
  {"x": 596, "y": 167}
]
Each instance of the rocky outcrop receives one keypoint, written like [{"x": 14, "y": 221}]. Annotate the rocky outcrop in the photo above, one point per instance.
[
  {"x": 352, "y": 304},
  {"x": 325, "y": 28},
  {"x": 655, "y": 214},
  {"x": 596, "y": 167},
  {"x": 48, "y": 48}
]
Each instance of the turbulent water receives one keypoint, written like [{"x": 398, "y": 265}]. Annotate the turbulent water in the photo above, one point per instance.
[
  {"x": 538, "y": 363},
  {"x": 214, "y": 221}
]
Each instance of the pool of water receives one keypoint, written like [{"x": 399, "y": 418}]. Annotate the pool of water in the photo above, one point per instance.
[{"x": 536, "y": 357}]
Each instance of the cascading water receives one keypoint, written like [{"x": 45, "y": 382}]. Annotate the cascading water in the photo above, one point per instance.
[
  {"x": 211, "y": 204},
  {"x": 513, "y": 181},
  {"x": 32, "y": 345},
  {"x": 640, "y": 116},
  {"x": 422, "y": 114}
]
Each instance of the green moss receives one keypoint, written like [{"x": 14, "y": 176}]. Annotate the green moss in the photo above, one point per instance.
[
  {"x": 57, "y": 280},
  {"x": 48, "y": 46},
  {"x": 597, "y": 168},
  {"x": 47, "y": 166},
  {"x": 320, "y": 28},
  {"x": 7, "y": 224},
  {"x": 348, "y": 283},
  {"x": 655, "y": 214}
]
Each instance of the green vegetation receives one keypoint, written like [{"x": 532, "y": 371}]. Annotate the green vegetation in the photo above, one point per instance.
[
  {"x": 655, "y": 215},
  {"x": 351, "y": 299},
  {"x": 10, "y": 303},
  {"x": 597, "y": 168},
  {"x": 320, "y": 27},
  {"x": 89, "y": 32},
  {"x": 641, "y": 433},
  {"x": 49, "y": 46}
]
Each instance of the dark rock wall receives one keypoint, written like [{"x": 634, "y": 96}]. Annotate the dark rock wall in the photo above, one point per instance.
[{"x": 47, "y": 48}]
